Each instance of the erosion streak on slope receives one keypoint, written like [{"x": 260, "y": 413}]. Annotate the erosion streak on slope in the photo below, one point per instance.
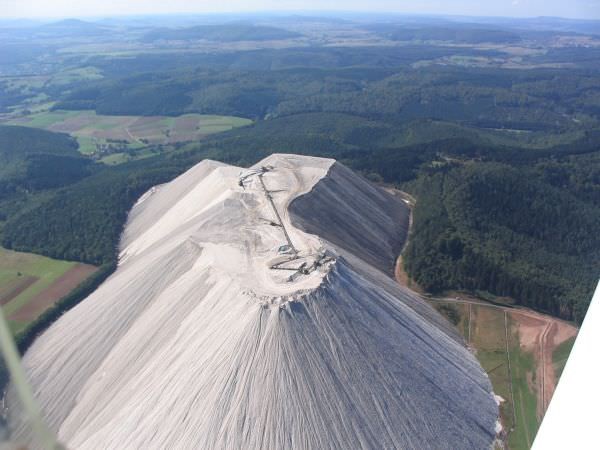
[{"x": 194, "y": 342}]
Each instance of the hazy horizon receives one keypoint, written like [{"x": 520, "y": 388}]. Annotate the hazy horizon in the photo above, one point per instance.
[{"x": 61, "y": 9}]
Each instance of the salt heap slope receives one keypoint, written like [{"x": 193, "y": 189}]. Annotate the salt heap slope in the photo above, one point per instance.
[{"x": 229, "y": 324}]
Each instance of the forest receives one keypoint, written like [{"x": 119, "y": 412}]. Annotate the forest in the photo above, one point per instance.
[
  {"x": 494, "y": 228},
  {"x": 33, "y": 159},
  {"x": 539, "y": 100}
]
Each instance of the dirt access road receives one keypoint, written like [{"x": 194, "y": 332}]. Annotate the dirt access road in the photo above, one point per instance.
[{"x": 539, "y": 334}]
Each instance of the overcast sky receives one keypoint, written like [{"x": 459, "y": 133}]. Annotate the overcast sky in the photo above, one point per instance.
[{"x": 587, "y": 9}]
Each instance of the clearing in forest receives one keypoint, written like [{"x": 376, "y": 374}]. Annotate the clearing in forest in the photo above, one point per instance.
[{"x": 93, "y": 131}]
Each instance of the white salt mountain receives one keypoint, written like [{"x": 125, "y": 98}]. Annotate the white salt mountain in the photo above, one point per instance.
[{"x": 253, "y": 309}]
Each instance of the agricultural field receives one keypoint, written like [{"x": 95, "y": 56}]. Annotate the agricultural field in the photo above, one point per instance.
[
  {"x": 30, "y": 284},
  {"x": 104, "y": 134},
  {"x": 523, "y": 353},
  {"x": 29, "y": 83},
  {"x": 114, "y": 159}
]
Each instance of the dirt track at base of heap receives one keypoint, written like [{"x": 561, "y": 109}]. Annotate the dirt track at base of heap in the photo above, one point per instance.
[{"x": 539, "y": 333}]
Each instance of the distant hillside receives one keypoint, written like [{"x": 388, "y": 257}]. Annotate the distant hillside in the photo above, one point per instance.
[
  {"x": 222, "y": 33},
  {"x": 555, "y": 24},
  {"x": 70, "y": 28},
  {"x": 544, "y": 101},
  {"x": 463, "y": 34},
  {"x": 38, "y": 159},
  {"x": 17, "y": 142},
  {"x": 68, "y": 23}
]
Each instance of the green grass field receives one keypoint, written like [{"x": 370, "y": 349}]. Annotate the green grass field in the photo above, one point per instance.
[
  {"x": 523, "y": 370},
  {"x": 485, "y": 332},
  {"x": 69, "y": 76},
  {"x": 44, "y": 119},
  {"x": 115, "y": 159},
  {"x": 16, "y": 267},
  {"x": 560, "y": 355},
  {"x": 120, "y": 158},
  {"x": 216, "y": 124},
  {"x": 87, "y": 145}
]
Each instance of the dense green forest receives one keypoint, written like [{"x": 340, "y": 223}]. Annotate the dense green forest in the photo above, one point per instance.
[
  {"x": 541, "y": 100},
  {"x": 84, "y": 221},
  {"x": 33, "y": 160},
  {"x": 496, "y": 228}
]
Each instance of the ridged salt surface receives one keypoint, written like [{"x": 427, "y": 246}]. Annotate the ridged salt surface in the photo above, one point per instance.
[{"x": 196, "y": 343}]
